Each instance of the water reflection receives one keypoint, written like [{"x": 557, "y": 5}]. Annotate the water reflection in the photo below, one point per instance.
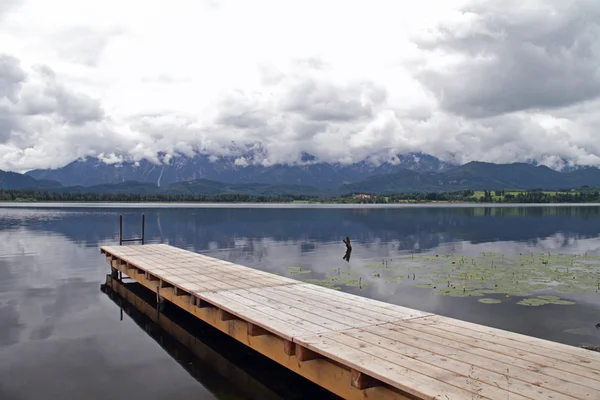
[
  {"x": 423, "y": 228},
  {"x": 226, "y": 367}
]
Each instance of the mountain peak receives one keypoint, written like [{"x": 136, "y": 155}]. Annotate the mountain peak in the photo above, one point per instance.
[{"x": 235, "y": 168}]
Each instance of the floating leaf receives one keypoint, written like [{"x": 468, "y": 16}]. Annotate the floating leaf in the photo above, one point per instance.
[
  {"x": 549, "y": 298},
  {"x": 532, "y": 302},
  {"x": 486, "y": 300},
  {"x": 563, "y": 302}
]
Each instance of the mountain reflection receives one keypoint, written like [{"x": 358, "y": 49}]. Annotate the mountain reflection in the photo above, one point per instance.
[{"x": 411, "y": 228}]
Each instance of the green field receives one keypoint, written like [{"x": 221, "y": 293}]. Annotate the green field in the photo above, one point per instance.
[{"x": 480, "y": 193}]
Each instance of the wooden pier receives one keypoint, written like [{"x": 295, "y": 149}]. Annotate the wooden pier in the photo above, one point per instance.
[{"x": 356, "y": 347}]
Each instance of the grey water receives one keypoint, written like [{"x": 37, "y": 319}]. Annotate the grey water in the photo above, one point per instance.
[{"x": 61, "y": 337}]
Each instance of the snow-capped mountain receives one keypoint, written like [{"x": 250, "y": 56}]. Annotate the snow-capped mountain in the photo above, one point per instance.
[{"x": 236, "y": 169}]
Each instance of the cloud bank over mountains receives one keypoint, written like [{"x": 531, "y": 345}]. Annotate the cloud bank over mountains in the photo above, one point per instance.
[{"x": 497, "y": 81}]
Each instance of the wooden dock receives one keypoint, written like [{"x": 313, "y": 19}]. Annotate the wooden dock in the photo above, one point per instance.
[
  {"x": 356, "y": 347},
  {"x": 206, "y": 357}
]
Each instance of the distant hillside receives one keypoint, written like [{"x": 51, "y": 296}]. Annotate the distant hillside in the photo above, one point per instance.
[
  {"x": 197, "y": 187},
  {"x": 13, "y": 180},
  {"x": 474, "y": 175},
  {"x": 313, "y": 173},
  {"x": 477, "y": 176},
  {"x": 129, "y": 187},
  {"x": 204, "y": 186}
]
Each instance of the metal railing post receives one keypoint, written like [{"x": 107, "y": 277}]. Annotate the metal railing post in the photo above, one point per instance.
[{"x": 142, "y": 238}]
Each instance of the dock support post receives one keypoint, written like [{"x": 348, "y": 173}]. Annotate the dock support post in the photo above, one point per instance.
[{"x": 120, "y": 230}]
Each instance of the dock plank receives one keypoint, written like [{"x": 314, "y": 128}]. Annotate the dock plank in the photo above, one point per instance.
[
  {"x": 312, "y": 317},
  {"x": 538, "y": 347},
  {"x": 576, "y": 354},
  {"x": 546, "y": 360},
  {"x": 535, "y": 371},
  {"x": 323, "y": 304},
  {"x": 437, "y": 384},
  {"x": 393, "y": 312},
  {"x": 261, "y": 315},
  {"x": 511, "y": 379}
]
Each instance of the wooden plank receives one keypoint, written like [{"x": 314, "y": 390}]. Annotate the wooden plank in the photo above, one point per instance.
[
  {"x": 405, "y": 379},
  {"x": 543, "y": 360},
  {"x": 553, "y": 350},
  {"x": 508, "y": 379},
  {"x": 537, "y": 374},
  {"x": 293, "y": 311},
  {"x": 280, "y": 324},
  {"x": 292, "y": 292},
  {"x": 577, "y": 354},
  {"x": 291, "y": 318},
  {"x": 349, "y": 319},
  {"x": 392, "y": 312},
  {"x": 192, "y": 287}
]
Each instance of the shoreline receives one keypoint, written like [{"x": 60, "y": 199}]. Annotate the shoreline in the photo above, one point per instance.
[{"x": 432, "y": 204}]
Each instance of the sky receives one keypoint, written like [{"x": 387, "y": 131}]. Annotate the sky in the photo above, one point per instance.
[{"x": 497, "y": 80}]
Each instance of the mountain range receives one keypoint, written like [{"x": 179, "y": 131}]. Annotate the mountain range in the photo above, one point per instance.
[
  {"x": 413, "y": 172},
  {"x": 310, "y": 172}
]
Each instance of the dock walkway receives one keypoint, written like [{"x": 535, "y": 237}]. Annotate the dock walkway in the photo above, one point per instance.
[{"x": 356, "y": 347}]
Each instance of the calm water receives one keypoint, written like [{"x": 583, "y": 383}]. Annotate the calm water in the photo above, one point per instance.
[{"x": 60, "y": 336}]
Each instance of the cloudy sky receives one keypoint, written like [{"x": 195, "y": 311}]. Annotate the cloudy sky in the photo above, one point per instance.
[{"x": 495, "y": 80}]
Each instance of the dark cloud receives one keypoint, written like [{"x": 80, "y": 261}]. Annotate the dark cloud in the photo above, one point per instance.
[
  {"x": 11, "y": 77},
  {"x": 43, "y": 117},
  {"x": 241, "y": 112},
  {"x": 511, "y": 57},
  {"x": 43, "y": 96},
  {"x": 323, "y": 101}
]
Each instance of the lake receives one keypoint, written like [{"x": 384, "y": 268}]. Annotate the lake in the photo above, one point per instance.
[{"x": 61, "y": 336}]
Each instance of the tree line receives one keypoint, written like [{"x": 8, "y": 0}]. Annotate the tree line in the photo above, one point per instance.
[
  {"x": 27, "y": 195},
  {"x": 487, "y": 196}
]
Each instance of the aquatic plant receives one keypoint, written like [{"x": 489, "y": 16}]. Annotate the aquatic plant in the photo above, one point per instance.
[
  {"x": 495, "y": 273},
  {"x": 489, "y": 301},
  {"x": 297, "y": 270},
  {"x": 324, "y": 283}
]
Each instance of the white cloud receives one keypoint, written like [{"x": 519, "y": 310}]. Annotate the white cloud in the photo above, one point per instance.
[{"x": 464, "y": 80}]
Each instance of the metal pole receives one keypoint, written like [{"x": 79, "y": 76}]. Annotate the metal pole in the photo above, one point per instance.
[
  {"x": 120, "y": 230},
  {"x": 143, "y": 227}
]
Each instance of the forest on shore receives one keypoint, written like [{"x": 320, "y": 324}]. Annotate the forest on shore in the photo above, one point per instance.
[{"x": 583, "y": 195}]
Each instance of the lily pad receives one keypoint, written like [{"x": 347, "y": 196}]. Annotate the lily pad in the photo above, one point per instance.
[
  {"x": 549, "y": 298},
  {"x": 563, "y": 302},
  {"x": 519, "y": 275},
  {"x": 487, "y": 300},
  {"x": 533, "y": 302}
]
